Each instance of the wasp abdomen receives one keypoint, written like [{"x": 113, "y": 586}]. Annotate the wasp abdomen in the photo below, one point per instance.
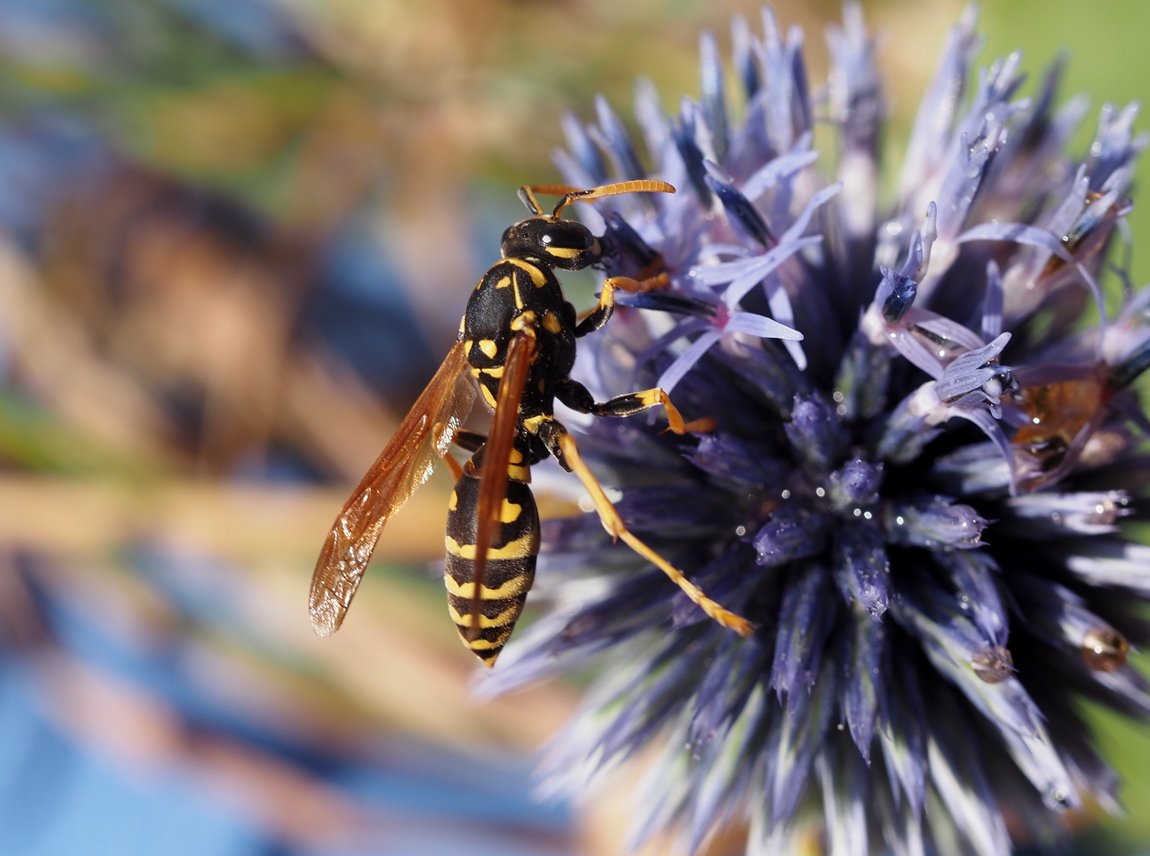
[{"x": 510, "y": 568}]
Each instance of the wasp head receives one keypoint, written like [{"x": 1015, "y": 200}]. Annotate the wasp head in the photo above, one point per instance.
[{"x": 564, "y": 244}]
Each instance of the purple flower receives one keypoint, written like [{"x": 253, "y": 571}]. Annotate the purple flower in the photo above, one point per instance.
[{"x": 919, "y": 503}]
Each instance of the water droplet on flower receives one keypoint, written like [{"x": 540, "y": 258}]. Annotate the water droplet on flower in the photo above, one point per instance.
[
  {"x": 993, "y": 665},
  {"x": 1104, "y": 649},
  {"x": 740, "y": 531},
  {"x": 1106, "y": 513},
  {"x": 820, "y": 492}
]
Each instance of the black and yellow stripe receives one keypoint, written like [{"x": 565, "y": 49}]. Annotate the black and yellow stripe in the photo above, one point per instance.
[{"x": 510, "y": 567}]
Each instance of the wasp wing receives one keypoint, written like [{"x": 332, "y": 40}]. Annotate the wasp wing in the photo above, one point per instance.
[
  {"x": 405, "y": 464},
  {"x": 497, "y": 456}
]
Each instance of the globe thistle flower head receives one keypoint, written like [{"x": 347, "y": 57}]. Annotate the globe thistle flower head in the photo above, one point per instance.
[{"x": 922, "y": 457}]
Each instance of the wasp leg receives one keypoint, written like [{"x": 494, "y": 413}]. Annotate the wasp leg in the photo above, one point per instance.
[
  {"x": 601, "y": 314},
  {"x": 562, "y": 446},
  {"x": 469, "y": 441},
  {"x": 576, "y": 396}
]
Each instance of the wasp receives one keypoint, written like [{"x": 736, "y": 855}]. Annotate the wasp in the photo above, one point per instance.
[{"x": 516, "y": 347}]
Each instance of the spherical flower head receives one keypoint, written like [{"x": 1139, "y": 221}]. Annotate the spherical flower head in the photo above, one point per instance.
[{"x": 924, "y": 446}]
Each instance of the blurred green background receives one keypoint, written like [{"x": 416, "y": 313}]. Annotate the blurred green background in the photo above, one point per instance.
[{"x": 235, "y": 239}]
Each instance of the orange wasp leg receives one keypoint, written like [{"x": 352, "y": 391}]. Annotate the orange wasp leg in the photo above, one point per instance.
[{"x": 613, "y": 523}]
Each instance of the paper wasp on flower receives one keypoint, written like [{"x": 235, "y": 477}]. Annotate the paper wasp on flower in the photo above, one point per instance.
[{"x": 516, "y": 345}]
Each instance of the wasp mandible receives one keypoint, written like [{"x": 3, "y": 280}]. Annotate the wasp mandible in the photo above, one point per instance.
[{"x": 516, "y": 345}]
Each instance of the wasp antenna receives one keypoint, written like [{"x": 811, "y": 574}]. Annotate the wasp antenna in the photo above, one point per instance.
[
  {"x": 527, "y": 197},
  {"x": 528, "y": 192},
  {"x": 638, "y": 185}
]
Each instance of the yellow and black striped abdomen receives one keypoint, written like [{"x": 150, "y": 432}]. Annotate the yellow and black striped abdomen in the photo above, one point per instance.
[{"x": 510, "y": 565}]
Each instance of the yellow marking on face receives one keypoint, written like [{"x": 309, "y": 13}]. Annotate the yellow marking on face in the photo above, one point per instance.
[
  {"x": 512, "y": 588},
  {"x": 489, "y": 348},
  {"x": 551, "y": 323},
  {"x": 503, "y": 282},
  {"x": 538, "y": 278},
  {"x": 504, "y": 618},
  {"x": 563, "y": 252}
]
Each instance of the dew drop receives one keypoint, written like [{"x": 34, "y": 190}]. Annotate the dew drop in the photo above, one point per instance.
[
  {"x": 1105, "y": 514},
  {"x": 820, "y": 492},
  {"x": 1104, "y": 649},
  {"x": 740, "y": 531},
  {"x": 993, "y": 665}
]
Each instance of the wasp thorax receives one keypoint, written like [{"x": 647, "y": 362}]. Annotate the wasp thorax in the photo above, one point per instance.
[{"x": 563, "y": 244}]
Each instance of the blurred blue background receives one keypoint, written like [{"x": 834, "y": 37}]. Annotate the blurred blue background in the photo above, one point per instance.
[{"x": 234, "y": 243}]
